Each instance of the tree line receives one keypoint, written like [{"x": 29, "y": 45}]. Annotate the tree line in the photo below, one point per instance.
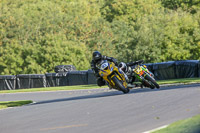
[{"x": 37, "y": 35}]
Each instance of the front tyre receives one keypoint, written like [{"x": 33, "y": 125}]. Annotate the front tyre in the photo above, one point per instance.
[
  {"x": 148, "y": 84},
  {"x": 119, "y": 84},
  {"x": 149, "y": 78}
]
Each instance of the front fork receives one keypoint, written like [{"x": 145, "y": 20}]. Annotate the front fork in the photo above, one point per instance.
[
  {"x": 126, "y": 77},
  {"x": 146, "y": 70},
  {"x": 143, "y": 76}
]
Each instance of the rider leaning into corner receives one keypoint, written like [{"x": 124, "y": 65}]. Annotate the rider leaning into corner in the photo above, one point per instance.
[
  {"x": 125, "y": 68},
  {"x": 96, "y": 59}
]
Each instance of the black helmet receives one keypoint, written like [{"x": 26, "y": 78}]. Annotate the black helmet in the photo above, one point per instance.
[{"x": 96, "y": 56}]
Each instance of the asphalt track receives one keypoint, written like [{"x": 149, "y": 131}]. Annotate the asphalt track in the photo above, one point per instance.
[{"x": 100, "y": 110}]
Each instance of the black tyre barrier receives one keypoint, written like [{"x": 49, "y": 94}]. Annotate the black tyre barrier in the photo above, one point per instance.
[
  {"x": 56, "y": 79},
  {"x": 164, "y": 70},
  {"x": 64, "y": 68},
  {"x": 199, "y": 69},
  {"x": 78, "y": 77},
  {"x": 25, "y": 81},
  {"x": 187, "y": 68},
  {"x": 91, "y": 77},
  {"x": 7, "y": 82}
]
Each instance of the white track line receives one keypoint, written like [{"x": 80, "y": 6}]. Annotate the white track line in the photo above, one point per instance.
[{"x": 156, "y": 129}]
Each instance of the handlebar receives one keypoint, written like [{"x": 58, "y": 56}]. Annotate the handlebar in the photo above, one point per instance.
[{"x": 134, "y": 63}]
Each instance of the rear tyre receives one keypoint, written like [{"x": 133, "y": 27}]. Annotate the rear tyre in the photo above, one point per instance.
[
  {"x": 119, "y": 84},
  {"x": 152, "y": 81}
]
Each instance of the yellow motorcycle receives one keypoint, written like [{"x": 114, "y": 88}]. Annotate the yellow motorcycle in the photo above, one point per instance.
[{"x": 112, "y": 75}]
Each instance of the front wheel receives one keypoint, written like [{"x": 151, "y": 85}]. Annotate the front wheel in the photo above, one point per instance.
[
  {"x": 119, "y": 84},
  {"x": 147, "y": 84},
  {"x": 149, "y": 78}
]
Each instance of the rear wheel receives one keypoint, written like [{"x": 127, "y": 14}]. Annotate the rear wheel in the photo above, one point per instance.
[
  {"x": 119, "y": 84},
  {"x": 152, "y": 81}
]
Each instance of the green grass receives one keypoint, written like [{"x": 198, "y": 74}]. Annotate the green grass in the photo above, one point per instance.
[
  {"x": 75, "y": 87},
  {"x": 78, "y": 87},
  {"x": 185, "y": 81},
  {"x": 7, "y": 104},
  {"x": 191, "y": 125}
]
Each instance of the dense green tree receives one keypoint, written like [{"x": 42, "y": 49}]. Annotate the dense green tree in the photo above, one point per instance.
[
  {"x": 192, "y": 6},
  {"x": 36, "y": 35},
  {"x": 132, "y": 23}
]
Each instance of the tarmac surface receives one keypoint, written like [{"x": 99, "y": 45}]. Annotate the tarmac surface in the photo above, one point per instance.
[{"x": 100, "y": 110}]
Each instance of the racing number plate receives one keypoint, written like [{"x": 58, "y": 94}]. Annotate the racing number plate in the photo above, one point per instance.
[{"x": 138, "y": 70}]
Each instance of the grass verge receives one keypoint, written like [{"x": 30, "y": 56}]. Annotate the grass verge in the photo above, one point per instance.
[
  {"x": 7, "y": 104},
  {"x": 75, "y": 87},
  {"x": 185, "y": 81},
  {"x": 191, "y": 125},
  {"x": 78, "y": 87}
]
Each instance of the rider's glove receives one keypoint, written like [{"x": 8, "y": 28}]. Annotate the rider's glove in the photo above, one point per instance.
[
  {"x": 114, "y": 60},
  {"x": 97, "y": 74},
  {"x": 138, "y": 62},
  {"x": 141, "y": 61}
]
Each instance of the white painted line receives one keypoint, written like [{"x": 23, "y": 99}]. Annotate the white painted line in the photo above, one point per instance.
[
  {"x": 62, "y": 127},
  {"x": 6, "y": 108},
  {"x": 29, "y": 103},
  {"x": 53, "y": 91},
  {"x": 156, "y": 129}
]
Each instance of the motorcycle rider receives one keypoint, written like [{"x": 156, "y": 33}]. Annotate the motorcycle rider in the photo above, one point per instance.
[
  {"x": 97, "y": 57},
  {"x": 127, "y": 69}
]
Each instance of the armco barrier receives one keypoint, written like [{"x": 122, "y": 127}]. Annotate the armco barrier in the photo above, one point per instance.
[
  {"x": 164, "y": 70},
  {"x": 187, "y": 68},
  {"x": 7, "y": 82},
  {"x": 25, "y": 81}
]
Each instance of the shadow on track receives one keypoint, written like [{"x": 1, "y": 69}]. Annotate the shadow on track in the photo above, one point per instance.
[
  {"x": 115, "y": 93},
  {"x": 163, "y": 88},
  {"x": 104, "y": 94}
]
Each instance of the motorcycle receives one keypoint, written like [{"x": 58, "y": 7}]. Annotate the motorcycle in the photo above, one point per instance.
[
  {"x": 141, "y": 73},
  {"x": 112, "y": 75}
]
